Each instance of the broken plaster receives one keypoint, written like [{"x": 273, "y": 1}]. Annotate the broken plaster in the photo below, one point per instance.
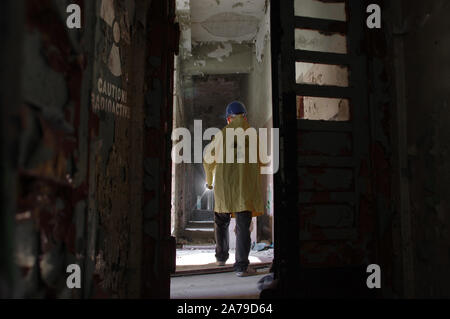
[
  {"x": 224, "y": 50},
  {"x": 263, "y": 34}
]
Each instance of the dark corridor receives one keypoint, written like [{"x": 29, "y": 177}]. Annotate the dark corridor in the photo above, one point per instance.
[{"x": 87, "y": 115}]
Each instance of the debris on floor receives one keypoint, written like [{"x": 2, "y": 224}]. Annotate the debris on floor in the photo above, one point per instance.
[
  {"x": 204, "y": 259},
  {"x": 265, "y": 281},
  {"x": 261, "y": 246}
]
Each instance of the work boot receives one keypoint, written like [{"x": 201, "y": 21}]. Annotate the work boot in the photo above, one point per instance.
[{"x": 246, "y": 273}]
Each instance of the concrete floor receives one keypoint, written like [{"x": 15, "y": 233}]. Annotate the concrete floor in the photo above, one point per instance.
[
  {"x": 216, "y": 286},
  {"x": 206, "y": 256}
]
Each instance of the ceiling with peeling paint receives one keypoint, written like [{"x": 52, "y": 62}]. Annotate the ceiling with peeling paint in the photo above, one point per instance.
[
  {"x": 219, "y": 21},
  {"x": 225, "y": 20}
]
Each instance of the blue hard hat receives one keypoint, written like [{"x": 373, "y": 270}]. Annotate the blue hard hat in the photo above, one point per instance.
[{"x": 235, "y": 108}]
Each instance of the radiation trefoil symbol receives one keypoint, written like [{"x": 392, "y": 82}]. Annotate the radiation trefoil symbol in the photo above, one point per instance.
[{"x": 108, "y": 14}]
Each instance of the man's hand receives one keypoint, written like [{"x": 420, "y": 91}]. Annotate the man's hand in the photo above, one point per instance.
[{"x": 209, "y": 186}]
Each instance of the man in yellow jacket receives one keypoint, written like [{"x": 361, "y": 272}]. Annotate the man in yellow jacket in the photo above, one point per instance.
[{"x": 237, "y": 186}]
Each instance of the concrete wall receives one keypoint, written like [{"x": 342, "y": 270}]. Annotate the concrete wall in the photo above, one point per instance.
[
  {"x": 409, "y": 93},
  {"x": 259, "y": 87},
  {"x": 258, "y": 100},
  {"x": 427, "y": 94}
]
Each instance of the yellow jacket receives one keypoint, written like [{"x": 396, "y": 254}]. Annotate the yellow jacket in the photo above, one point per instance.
[{"x": 237, "y": 185}]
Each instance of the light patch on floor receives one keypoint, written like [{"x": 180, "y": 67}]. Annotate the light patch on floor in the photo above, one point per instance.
[{"x": 186, "y": 257}]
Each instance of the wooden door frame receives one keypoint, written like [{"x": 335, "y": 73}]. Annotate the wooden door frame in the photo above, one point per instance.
[{"x": 286, "y": 217}]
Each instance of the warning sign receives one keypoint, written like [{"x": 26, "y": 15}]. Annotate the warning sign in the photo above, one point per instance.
[{"x": 110, "y": 98}]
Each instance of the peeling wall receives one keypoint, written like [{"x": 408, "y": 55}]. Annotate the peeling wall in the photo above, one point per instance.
[
  {"x": 221, "y": 22},
  {"x": 93, "y": 150},
  {"x": 219, "y": 58},
  {"x": 52, "y": 159},
  {"x": 263, "y": 33},
  {"x": 259, "y": 88},
  {"x": 116, "y": 140}
]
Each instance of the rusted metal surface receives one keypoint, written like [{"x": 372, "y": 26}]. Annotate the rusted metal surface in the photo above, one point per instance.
[
  {"x": 51, "y": 195},
  {"x": 91, "y": 191}
]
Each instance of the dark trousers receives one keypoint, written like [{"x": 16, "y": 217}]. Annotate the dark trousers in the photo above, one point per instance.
[{"x": 243, "y": 241}]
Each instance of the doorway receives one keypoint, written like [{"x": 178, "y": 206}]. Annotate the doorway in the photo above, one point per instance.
[{"x": 225, "y": 55}]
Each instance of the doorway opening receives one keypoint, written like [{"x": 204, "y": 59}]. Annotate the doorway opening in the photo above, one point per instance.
[{"x": 225, "y": 55}]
